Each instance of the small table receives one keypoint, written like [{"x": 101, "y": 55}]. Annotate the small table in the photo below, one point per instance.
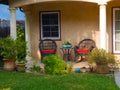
[{"x": 66, "y": 53}]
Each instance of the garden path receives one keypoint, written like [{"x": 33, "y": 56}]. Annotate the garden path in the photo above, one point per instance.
[{"x": 117, "y": 78}]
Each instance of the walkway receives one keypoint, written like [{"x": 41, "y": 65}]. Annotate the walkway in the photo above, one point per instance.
[{"x": 117, "y": 78}]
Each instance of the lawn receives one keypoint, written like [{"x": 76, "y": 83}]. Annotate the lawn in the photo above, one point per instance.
[{"x": 81, "y": 81}]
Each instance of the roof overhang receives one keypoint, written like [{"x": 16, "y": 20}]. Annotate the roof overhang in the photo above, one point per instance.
[{"x": 4, "y": 2}]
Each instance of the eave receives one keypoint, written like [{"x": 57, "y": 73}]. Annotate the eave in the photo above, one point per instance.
[{"x": 4, "y": 2}]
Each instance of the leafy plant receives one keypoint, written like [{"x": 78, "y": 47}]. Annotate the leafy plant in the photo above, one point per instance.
[
  {"x": 8, "y": 46},
  {"x": 69, "y": 68},
  {"x": 21, "y": 51},
  {"x": 20, "y": 33},
  {"x": 54, "y": 64},
  {"x": 101, "y": 57},
  {"x": 67, "y": 43},
  {"x": 36, "y": 67},
  {"x": 21, "y": 45}
]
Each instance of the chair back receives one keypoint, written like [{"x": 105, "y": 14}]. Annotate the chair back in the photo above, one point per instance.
[
  {"x": 87, "y": 44},
  {"x": 47, "y": 47}
]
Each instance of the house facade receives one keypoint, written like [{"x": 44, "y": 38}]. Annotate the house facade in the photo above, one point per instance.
[{"x": 72, "y": 20}]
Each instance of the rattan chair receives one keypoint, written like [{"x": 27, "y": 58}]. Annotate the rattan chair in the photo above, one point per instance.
[
  {"x": 83, "y": 48},
  {"x": 47, "y": 47}
]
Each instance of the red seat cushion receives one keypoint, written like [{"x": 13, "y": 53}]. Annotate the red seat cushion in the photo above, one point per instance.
[
  {"x": 48, "y": 50},
  {"x": 82, "y": 51}
]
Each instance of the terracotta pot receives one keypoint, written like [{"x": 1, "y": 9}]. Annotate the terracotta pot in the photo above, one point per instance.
[
  {"x": 20, "y": 67},
  {"x": 102, "y": 69},
  {"x": 9, "y": 64}
]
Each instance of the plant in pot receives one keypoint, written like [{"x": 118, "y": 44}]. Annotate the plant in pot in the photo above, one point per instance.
[
  {"x": 8, "y": 46},
  {"x": 21, "y": 49},
  {"x": 21, "y": 54},
  {"x": 102, "y": 59},
  {"x": 67, "y": 45}
]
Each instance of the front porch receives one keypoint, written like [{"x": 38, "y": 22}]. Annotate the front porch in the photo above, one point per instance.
[
  {"x": 76, "y": 20},
  {"x": 72, "y": 13}
]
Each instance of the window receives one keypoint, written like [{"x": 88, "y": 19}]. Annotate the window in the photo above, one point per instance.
[
  {"x": 50, "y": 25},
  {"x": 116, "y": 30}
]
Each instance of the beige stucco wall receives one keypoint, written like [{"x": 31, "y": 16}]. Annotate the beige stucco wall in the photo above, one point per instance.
[{"x": 78, "y": 21}]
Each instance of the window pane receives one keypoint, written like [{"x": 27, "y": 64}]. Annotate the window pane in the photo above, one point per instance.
[
  {"x": 117, "y": 35},
  {"x": 46, "y": 28},
  {"x": 117, "y": 15},
  {"x": 55, "y": 34},
  {"x": 45, "y": 19},
  {"x": 50, "y": 19},
  {"x": 117, "y": 25},
  {"x": 53, "y": 19},
  {"x": 54, "y": 28},
  {"x": 117, "y": 46},
  {"x": 46, "y": 34}
]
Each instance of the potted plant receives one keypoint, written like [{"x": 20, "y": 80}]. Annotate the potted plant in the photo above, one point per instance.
[
  {"x": 102, "y": 59},
  {"x": 21, "y": 54},
  {"x": 21, "y": 49},
  {"x": 67, "y": 45},
  {"x": 8, "y": 46}
]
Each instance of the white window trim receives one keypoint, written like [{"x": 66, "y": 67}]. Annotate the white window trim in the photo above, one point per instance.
[
  {"x": 53, "y": 38},
  {"x": 114, "y": 9}
]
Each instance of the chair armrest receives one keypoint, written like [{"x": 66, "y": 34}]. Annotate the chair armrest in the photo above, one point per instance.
[{"x": 76, "y": 47}]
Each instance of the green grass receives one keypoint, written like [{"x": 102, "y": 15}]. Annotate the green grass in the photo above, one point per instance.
[{"x": 23, "y": 81}]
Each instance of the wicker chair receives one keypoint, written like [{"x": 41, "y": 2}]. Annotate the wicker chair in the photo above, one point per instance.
[
  {"x": 47, "y": 47},
  {"x": 83, "y": 48}
]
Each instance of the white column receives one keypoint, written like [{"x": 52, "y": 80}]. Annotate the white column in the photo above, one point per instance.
[
  {"x": 102, "y": 25},
  {"x": 13, "y": 32},
  {"x": 27, "y": 31},
  {"x": 29, "y": 59}
]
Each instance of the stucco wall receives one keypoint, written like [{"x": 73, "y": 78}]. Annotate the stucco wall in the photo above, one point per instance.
[{"x": 78, "y": 21}]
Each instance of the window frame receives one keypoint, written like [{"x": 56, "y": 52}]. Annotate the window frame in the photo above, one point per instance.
[
  {"x": 41, "y": 25},
  {"x": 114, "y": 31}
]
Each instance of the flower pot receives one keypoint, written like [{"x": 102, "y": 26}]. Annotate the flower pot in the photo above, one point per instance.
[
  {"x": 67, "y": 46},
  {"x": 102, "y": 69},
  {"x": 9, "y": 64},
  {"x": 20, "y": 67},
  {"x": 83, "y": 70}
]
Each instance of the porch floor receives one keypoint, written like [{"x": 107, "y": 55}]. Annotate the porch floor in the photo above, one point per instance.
[
  {"x": 75, "y": 65},
  {"x": 81, "y": 64}
]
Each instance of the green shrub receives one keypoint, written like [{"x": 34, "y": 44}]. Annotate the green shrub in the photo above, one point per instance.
[
  {"x": 54, "y": 65},
  {"x": 101, "y": 57}
]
